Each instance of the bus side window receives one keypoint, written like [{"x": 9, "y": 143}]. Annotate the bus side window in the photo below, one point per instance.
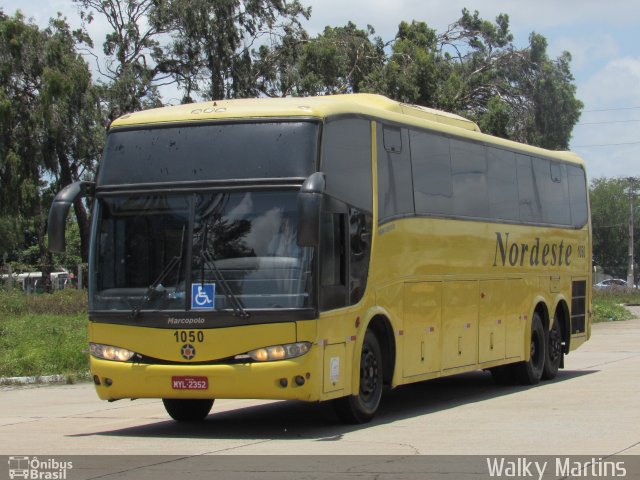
[
  {"x": 395, "y": 182},
  {"x": 577, "y": 196},
  {"x": 332, "y": 261},
  {"x": 359, "y": 253}
]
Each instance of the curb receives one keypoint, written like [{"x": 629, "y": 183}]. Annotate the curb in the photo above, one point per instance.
[{"x": 33, "y": 380}]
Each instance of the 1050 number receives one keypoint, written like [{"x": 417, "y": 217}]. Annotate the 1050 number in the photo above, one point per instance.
[{"x": 191, "y": 336}]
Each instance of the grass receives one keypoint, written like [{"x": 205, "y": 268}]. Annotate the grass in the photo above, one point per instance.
[
  {"x": 43, "y": 334},
  {"x": 608, "y": 305}
]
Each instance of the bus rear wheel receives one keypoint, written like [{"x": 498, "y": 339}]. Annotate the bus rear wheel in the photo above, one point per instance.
[
  {"x": 362, "y": 407},
  {"x": 187, "y": 410},
  {"x": 530, "y": 372},
  {"x": 554, "y": 351}
]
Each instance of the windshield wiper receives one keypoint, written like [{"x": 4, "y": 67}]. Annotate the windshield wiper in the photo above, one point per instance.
[
  {"x": 232, "y": 298},
  {"x": 156, "y": 287}
]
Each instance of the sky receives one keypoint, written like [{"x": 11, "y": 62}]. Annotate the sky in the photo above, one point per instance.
[{"x": 602, "y": 37}]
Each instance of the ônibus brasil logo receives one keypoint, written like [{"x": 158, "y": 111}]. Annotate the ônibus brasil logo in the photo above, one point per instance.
[{"x": 38, "y": 469}]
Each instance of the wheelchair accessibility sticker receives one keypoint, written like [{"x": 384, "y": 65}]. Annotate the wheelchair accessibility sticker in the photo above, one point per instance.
[{"x": 203, "y": 296}]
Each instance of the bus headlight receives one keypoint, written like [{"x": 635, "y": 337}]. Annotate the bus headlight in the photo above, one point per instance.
[
  {"x": 279, "y": 352},
  {"x": 109, "y": 352}
]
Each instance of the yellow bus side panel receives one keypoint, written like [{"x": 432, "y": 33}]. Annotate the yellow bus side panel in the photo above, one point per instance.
[
  {"x": 460, "y": 295},
  {"x": 460, "y": 324},
  {"x": 492, "y": 321},
  {"x": 422, "y": 327}
]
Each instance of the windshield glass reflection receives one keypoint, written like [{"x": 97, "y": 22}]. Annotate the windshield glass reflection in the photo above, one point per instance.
[{"x": 243, "y": 253}]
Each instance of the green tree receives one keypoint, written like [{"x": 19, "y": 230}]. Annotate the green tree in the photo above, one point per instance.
[
  {"x": 413, "y": 69},
  {"x": 555, "y": 109},
  {"x": 610, "y": 223},
  {"x": 21, "y": 158},
  {"x": 516, "y": 93},
  {"x": 50, "y": 130},
  {"x": 211, "y": 48},
  {"x": 72, "y": 129},
  {"x": 129, "y": 74},
  {"x": 339, "y": 60},
  {"x": 474, "y": 69},
  {"x": 277, "y": 65},
  {"x": 10, "y": 234}
]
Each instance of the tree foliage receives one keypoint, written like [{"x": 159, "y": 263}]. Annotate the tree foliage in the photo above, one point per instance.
[
  {"x": 51, "y": 133},
  {"x": 129, "y": 74},
  {"x": 210, "y": 52},
  {"x": 474, "y": 69},
  {"x": 610, "y": 222},
  {"x": 339, "y": 60}
]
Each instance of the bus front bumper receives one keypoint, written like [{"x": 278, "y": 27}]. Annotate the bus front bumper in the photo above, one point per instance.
[{"x": 299, "y": 378}]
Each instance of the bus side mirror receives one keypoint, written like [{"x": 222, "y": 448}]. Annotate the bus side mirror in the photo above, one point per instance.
[
  {"x": 309, "y": 208},
  {"x": 60, "y": 208}
]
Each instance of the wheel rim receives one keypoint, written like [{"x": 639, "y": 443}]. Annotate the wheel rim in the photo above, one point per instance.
[
  {"x": 536, "y": 349},
  {"x": 368, "y": 374},
  {"x": 555, "y": 343}
]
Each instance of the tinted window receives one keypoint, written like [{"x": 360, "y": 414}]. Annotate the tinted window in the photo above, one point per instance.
[
  {"x": 210, "y": 152},
  {"x": 529, "y": 202},
  {"x": 333, "y": 292},
  {"x": 431, "y": 161},
  {"x": 392, "y": 139},
  {"x": 395, "y": 190},
  {"x": 503, "y": 184},
  {"x": 346, "y": 161},
  {"x": 359, "y": 253},
  {"x": 551, "y": 182},
  {"x": 461, "y": 178},
  {"x": 242, "y": 240},
  {"x": 577, "y": 195},
  {"x": 469, "y": 179}
]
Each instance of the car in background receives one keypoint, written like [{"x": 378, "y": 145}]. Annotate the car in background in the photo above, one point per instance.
[{"x": 611, "y": 284}]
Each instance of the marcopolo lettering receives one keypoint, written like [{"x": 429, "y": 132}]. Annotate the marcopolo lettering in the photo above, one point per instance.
[{"x": 536, "y": 253}]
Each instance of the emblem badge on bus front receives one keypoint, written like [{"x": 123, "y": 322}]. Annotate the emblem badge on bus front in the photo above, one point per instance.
[{"x": 188, "y": 351}]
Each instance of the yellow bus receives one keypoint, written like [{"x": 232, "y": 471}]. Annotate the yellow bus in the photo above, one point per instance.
[{"x": 323, "y": 249}]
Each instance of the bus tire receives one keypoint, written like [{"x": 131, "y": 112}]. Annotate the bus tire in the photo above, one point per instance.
[
  {"x": 530, "y": 372},
  {"x": 554, "y": 353},
  {"x": 187, "y": 410},
  {"x": 504, "y": 375},
  {"x": 362, "y": 407}
]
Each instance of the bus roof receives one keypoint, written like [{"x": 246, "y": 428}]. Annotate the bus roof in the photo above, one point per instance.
[
  {"x": 365, "y": 104},
  {"x": 320, "y": 107}
]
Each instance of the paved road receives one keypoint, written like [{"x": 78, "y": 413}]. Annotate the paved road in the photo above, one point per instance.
[{"x": 592, "y": 408}]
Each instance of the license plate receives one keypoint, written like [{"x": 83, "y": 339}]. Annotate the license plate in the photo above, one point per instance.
[{"x": 189, "y": 383}]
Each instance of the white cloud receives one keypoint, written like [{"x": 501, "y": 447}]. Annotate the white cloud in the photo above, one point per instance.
[
  {"x": 617, "y": 84},
  {"x": 586, "y": 49},
  {"x": 610, "y": 96},
  {"x": 524, "y": 16}
]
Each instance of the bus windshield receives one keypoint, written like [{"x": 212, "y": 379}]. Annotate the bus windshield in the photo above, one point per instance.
[
  {"x": 200, "y": 251},
  {"x": 209, "y": 152}
]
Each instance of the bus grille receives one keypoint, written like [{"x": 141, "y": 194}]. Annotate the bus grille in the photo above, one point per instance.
[{"x": 578, "y": 306}]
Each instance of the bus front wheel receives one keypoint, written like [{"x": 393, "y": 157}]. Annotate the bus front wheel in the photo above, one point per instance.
[
  {"x": 362, "y": 407},
  {"x": 530, "y": 372},
  {"x": 187, "y": 410}
]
